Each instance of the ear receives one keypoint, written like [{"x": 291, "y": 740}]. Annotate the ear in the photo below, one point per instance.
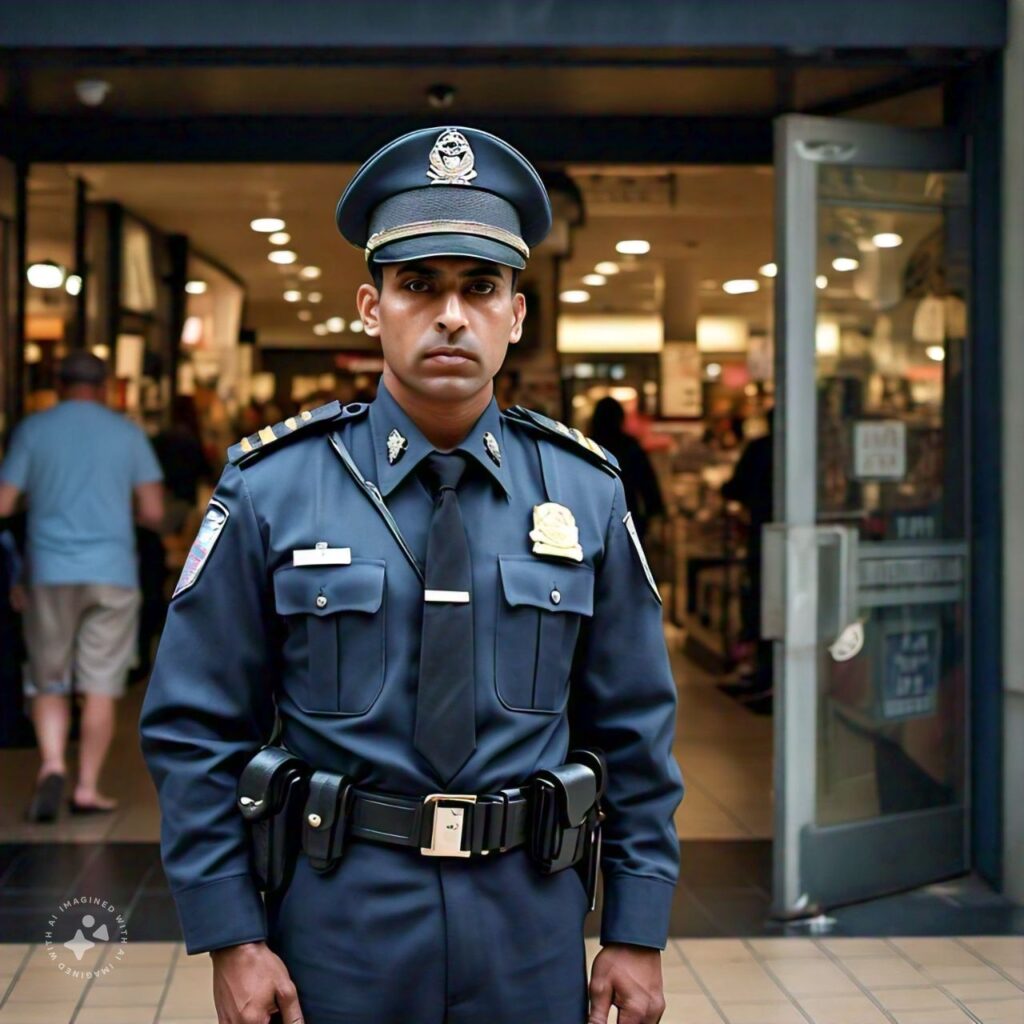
[
  {"x": 368, "y": 304},
  {"x": 518, "y": 316}
]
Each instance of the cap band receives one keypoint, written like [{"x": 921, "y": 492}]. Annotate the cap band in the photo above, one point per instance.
[{"x": 446, "y": 227}]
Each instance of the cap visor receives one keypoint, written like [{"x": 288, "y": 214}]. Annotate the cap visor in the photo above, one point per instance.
[{"x": 425, "y": 246}]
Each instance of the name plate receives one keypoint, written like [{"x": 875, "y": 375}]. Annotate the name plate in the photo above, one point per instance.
[{"x": 322, "y": 556}]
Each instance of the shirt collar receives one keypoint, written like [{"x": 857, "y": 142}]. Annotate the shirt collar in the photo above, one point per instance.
[{"x": 389, "y": 420}]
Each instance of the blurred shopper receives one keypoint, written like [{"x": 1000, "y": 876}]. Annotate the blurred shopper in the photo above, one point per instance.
[
  {"x": 643, "y": 495},
  {"x": 751, "y": 486},
  {"x": 179, "y": 449},
  {"x": 79, "y": 466}
]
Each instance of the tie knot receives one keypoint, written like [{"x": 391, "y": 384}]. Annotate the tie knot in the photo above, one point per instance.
[{"x": 444, "y": 470}]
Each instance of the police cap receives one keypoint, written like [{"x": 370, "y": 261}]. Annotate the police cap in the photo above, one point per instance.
[{"x": 445, "y": 192}]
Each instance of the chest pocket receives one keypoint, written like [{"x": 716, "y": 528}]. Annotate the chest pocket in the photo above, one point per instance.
[
  {"x": 337, "y": 614},
  {"x": 539, "y": 613}
]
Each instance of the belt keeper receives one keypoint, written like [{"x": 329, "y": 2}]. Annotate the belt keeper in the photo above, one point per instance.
[{"x": 505, "y": 814}]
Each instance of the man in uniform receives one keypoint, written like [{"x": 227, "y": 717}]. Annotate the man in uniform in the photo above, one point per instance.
[{"x": 435, "y": 599}]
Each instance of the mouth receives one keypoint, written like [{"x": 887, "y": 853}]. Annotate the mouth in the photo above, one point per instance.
[{"x": 448, "y": 356}]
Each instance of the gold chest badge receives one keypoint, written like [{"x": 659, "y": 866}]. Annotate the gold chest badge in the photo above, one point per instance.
[{"x": 554, "y": 532}]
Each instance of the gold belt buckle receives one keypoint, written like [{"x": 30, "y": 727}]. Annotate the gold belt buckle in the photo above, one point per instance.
[{"x": 446, "y": 838}]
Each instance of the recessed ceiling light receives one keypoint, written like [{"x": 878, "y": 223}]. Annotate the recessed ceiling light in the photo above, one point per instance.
[
  {"x": 356, "y": 326},
  {"x": 887, "y": 239},
  {"x": 305, "y": 314},
  {"x": 713, "y": 370},
  {"x": 335, "y": 324},
  {"x": 768, "y": 270},
  {"x": 319, "y": 330},
  {"x": 266, "y": 224},
  {"x": 594, "y": 279},
  {"x": 73, "y": 285},
  {"x": 196, "y": 287},
  {"x": 740, "y": 286},
  {"x": 314, "y": 297},
  {"x": 633, "y": 247},
  {"x": 292, "y": 295},
  {"x": 844, "y": 263},
  {"x": 575, "y": 295},
  {"x": 282, "y": 256},
  {"x": 279, "y": 238},
  {"x": 309, "y": 273},
  {"x": 101, "y": 351},
  {"x": 820, "y": 282},
  {"x": 936, "y": 352},
  {"x": 607, "y": 268},
  {"x": 45, "y": 275}
]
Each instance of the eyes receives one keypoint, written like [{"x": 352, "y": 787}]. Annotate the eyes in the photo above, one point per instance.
[{"x": 422, "y": 286}]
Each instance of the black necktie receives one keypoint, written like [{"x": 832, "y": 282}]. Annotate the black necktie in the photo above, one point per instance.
[{"x": 445, "y": 731}]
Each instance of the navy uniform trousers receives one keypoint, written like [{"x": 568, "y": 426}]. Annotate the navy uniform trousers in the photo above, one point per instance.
[{"x": 569, "y": 652}]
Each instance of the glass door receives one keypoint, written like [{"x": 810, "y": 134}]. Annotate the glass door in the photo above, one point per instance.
[{"x": 866, "y": 563}]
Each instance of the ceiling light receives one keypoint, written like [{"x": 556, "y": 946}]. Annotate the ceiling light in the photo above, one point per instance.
[
  {"x": 196, "y": 287},
  {"x": 101, "y": 351},
  {"x": 279, "y": 238},
  {"x": 713, "y": 370},
  {"x": 305, "y": 314},
  {"x": 844, "y": 263},
  {"x": 887, "y": 239},
  {"x": 282, "y": 256},
  {"x": 309, "y": 273},
  {"x": 314, "y": 297},
  {"x": 335, "y": 324},
  {"x": 633, "y": 247},
  {"x": 740, "y": 286},
  {"x": 936, "y": 352},
  {"x": 45, "y": 275},
  {"x": 575, "y": 295},
  {"x": 73, "y": 285},
  {"x": 607, "y": 268},
  {"x": 319, "y": 330},
  {"x": 821, "y": 281},
  {"x": 267, "y": 224},
  {"x": 292, "y": 295},
  {"x": 768, "y": 270},
  {"x": 33, "y": 352},
  {"x": 594, "y": 279},
  {"x": 356, "y": 326}
]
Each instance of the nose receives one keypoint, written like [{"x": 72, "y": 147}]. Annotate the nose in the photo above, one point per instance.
[{"x": 452, "y": 317}]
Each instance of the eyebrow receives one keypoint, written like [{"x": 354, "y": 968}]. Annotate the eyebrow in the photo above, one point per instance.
[{"x": 481, "y": 269}]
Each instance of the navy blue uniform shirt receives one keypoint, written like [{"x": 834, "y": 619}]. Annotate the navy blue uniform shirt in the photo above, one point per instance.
[{"x": 335, "y": 648}]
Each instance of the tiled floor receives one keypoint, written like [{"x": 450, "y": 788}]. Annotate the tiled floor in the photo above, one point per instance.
[{"x": 707, "y": 981}]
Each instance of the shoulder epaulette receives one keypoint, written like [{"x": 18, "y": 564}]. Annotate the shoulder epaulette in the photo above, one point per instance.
[
  {"x": 571, "y": 438},
  {"x": 259, "y": 442}
]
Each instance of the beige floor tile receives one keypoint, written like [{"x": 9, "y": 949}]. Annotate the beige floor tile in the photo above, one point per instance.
[
  {"x": 842, "y": 1010},
  {"x": 935, "y": 952},
  {"x": 742, "y": 983},
  {"x": 116, "y": 1015},
  {"x": 708, "y": 951},
  {"x": 966, "y": 991},
  {"x": 188, "y": 1002},
  {"x": 786, "y": 949},
  {"x": 113, "y": 992},
  {"x": 146, "y": 974},
  {"x": 844, "y": 948},
  {"x": 34, "y": 1012},
  {"x": 952, "y": 1015},
  {"x": 47, "y": 985},
  {"x": 12, "y": 955},
  {"x": 762, "y": 1013},
  {"x": 690, "y": 1008},
  {"x": 1005, "y": 950},
  {"x": 976, "y": 973},
  {"x": 997, "y": 1011},
  {"x": 884, "y": 972},
  {"x": 150, "y": 953},
  {"x": 811, "y": 978},
  {"x": 679, "y": 978},
  {"x": 895, "y": 999}
]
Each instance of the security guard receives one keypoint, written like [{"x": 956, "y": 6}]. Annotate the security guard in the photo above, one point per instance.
[{"x": 430, "y": 601}]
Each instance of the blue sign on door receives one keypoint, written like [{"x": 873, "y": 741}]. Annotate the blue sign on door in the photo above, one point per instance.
[{"x": 910, "y": 675}]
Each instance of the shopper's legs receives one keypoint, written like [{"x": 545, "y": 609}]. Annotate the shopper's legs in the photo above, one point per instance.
[{"x": 51, "y": 716}]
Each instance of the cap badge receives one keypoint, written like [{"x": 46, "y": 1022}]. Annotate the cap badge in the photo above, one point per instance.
[
  {"x": 492, "y": 449},
  {"x": 451, "y": 160},
  {"x": 554, "y": 532},
  {"x": 397, "y": 446}
]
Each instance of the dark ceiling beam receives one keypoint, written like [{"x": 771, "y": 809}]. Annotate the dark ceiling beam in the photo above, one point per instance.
[
  {"x": 629, "y": 140},
  {"x": 505, "y": 24},
  {"x": 898, "y": 86}
]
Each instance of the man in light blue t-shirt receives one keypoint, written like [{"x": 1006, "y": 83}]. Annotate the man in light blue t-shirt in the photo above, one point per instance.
[{"x": 81, "y": 467}]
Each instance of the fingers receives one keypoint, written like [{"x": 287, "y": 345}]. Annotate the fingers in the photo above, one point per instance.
[
  {"x": 288, "y": 1002},
  {"x": 600, "y": 1000}
]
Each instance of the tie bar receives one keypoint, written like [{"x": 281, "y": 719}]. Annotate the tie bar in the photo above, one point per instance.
[{"x": 448, "y": 596}]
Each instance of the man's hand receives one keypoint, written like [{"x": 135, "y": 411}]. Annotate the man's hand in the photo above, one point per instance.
[
  {"x": 628, "y": 977},
  {"x": 250, "y": 983}
]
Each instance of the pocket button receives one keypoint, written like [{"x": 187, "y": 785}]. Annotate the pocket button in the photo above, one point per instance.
[
  {"x": 321, "y": 601},
  {"x": 555, "y": 596}
]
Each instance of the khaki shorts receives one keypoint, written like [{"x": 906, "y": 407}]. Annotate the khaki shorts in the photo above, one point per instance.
[{"x": 80, "y": 633}]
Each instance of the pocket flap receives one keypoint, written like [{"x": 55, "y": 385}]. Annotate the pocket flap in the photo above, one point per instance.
[
  {"x": 327, "y": 589},
  {"x": 549, "y": 585}
]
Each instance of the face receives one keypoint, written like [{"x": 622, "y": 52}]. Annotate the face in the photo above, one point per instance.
[{"x": 444, "y": 323}]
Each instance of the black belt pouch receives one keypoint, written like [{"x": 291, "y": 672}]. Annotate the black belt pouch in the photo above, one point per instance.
[{"x": 271, "y": 793}]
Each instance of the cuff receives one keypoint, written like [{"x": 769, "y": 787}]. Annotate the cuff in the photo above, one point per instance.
[
  {"x": 221, "y": 913},
  {"x": 636, "y": 910}
]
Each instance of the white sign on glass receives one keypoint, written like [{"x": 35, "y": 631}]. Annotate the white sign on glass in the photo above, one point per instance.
[{"x": 879, "y": 450}]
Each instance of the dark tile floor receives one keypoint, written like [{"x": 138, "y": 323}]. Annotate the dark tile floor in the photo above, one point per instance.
[{"x": 724, "y": 892}]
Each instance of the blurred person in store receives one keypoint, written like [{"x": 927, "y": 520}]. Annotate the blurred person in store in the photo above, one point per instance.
[
  {"x": 643, "y": 494},
  {"x": 80, "y": 467},
  {"x": 751, "y": 486}
]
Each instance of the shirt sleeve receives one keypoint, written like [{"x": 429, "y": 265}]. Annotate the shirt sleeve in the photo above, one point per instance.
[
  {"x": 17, "y": 464},
  {"x": 145, "y": 465},
  {"x": 208, "y": 708},
  {"x": 624, "y": 702}
]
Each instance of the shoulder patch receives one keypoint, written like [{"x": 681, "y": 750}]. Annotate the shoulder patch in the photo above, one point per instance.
[
  {"x": 569, "y": 437},
  {"x": 295, "y": 425},
  {"x": 212, "y": 526}
]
